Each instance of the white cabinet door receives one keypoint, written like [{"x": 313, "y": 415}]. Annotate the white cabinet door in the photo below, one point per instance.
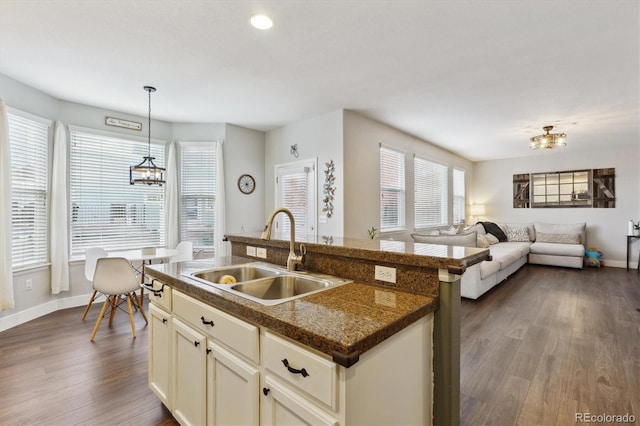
[
  {"x": 283, "y": 406},
  {"x": 189, "y": 375},
  {"x": 160, "y": 364},
  {"x": 233, "y": 395}
]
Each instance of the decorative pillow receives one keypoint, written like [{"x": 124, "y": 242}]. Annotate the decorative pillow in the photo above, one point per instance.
[
  {"x": 482, "y": 242},
  {"x": 492, "y": 239},
  {"x": 434, "y": 232},
  {"x": 494, "y": 229},
  {"x": 466, "y": 240},
  {"x": 558, "y": 238},
  {"x": 517, "y": 233},
  {"x": 451, "y": 231}
]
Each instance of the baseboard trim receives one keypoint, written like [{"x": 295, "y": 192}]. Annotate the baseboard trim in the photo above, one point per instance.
[{"x": 27, "y": 315}]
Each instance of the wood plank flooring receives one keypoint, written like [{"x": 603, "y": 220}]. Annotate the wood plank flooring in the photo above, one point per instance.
[
  {"x": 551, "y": 342},
  {"x": 51, "y": 374},
  {"x": 545, "y": 344}
]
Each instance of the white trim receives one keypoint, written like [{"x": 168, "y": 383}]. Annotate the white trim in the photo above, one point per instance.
[
  {"x": 29, "y": 116},
  {"x": 115, "y": 135},
  {"x": 27, "y": 315}
]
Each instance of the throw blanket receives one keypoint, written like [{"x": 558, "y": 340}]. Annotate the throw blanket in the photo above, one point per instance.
[{"x": 495, "y": 230}]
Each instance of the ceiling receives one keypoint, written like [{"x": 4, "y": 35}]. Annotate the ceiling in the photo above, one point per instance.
[{"x": 478, "y": 78}]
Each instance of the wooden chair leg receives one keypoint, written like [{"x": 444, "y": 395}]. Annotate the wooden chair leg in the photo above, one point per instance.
[
  {"x": 102, "y": 312},
  {"x": 139, "y": 305},
  {"x": 114, "y": 306},
  {"x": 86, "y": 310},
  {"x": 133, "y": 326}
]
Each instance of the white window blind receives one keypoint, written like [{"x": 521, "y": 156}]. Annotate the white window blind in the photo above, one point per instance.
[
  {"x": 197, "y": 193},
  {"x": 293, "y": 194},
  {"x": 430, "y": 186},
  {"x": 106, "y": 211},
  {"x": 458, "y": 196},
  {"x": 29, "y": 144},
  {"x": 392, "y": 189}
]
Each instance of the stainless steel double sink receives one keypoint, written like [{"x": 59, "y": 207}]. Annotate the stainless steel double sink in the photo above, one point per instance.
[{"x": 265, "y": 283}]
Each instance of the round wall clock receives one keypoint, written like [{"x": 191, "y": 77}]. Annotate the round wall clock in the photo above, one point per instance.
[{"x": 246, "y": 184}]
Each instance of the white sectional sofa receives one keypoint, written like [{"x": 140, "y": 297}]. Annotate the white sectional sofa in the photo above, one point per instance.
[{"x": 539, "y": 243}]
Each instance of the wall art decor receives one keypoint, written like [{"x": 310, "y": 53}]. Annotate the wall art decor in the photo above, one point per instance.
[{"x": 329, "y": 189}]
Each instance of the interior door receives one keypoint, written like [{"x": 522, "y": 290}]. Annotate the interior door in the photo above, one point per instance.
[{"x": 296, "y": 191}]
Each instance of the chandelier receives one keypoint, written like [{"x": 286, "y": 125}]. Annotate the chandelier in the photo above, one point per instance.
[
  {"x": 548, "y": 140},
  {"x": 147, "y": 173}
]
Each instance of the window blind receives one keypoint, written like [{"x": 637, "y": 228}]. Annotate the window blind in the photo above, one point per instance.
[
  {"x": 458, "y": 196},
  {"x": 29, "y": 145},
  {"x": 392, "y": 189},
  {"x": 106, "y": 211},
  {"x": 430, "y": 186},
  {"x": 293, "y": 194},
  {"x": 198, "y": 193}
]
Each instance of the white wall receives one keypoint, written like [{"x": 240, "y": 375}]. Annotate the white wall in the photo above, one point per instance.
[
  {"x": 362, "y": 139},
  {"x": 319, "y": 137},
  {"x": 606, "y": 228}
]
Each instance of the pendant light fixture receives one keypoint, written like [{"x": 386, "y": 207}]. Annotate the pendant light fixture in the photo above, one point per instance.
[
  {"x": 147, "y": 173},
  {"x": 548, "y": 140}
]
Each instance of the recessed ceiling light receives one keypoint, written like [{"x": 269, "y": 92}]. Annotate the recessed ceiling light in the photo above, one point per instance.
[{"x": 261, "y": 22}]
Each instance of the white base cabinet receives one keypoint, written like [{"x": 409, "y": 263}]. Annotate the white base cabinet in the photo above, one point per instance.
[{"x": 220, "y": 370}]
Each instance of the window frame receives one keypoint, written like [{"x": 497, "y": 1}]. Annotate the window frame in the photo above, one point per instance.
[
  {"x": 421, "y": 184},
  {"x": 461, "y": 204},
  {"x": 400, "y": 189}
]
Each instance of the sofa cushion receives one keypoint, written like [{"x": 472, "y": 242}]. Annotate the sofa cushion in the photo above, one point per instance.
[
  {"x": 481, "y": 241},
  {"x": 557, "y": 249},
  {"x": 462, "y": 240},
  {"x": 543, "y": 237},
  {"x": 492, "y": 239},
  {"x": 488, "y": 267},
  {"x": 554, "y": 228},
  {"x": 494, "y": 229}
]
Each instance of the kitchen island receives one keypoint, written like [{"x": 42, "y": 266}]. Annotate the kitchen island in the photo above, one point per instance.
[{"x": 369, "y": 334}]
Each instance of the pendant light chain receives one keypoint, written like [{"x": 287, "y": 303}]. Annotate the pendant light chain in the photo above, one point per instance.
[{"x": 149, "y": 90}]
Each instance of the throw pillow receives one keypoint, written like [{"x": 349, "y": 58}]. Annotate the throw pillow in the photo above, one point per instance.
[
  {"x": 466, "y": 240},
  {"x": 494, "y": 229},
  {"x": 451, "y": 231},
  {"x": 517, "y": 233},
  {"x": 482, "y": 242},
  {"x": 558, "y": 238},
  {"x": 492, "y": 239}
]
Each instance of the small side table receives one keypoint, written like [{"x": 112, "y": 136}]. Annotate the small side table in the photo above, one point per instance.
[{"x": 630, "y": 239}]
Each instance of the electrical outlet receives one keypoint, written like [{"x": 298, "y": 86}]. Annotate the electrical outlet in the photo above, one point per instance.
[
  {"x": 28, "y": 285},
  {"x": 384, "y": 273},
  {"x": 262, "y": 252},
  {"x": 251, "y": 251}
]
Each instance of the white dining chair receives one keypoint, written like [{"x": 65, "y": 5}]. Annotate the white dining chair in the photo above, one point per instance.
[
  {"x": 91, "y": 257},
  {"x": 115, "y": 279},
  {"x": 185, "y": 252}
]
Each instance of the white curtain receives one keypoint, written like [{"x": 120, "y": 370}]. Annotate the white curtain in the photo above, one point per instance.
[
  {"x": 172, "y": 205},
  {"x": 59, "y": 231},
  {"x": 221, "y": 247},
  {"x": 6, "y": 270}
]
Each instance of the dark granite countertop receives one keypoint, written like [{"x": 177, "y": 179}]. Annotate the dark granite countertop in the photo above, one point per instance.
[{"x": 342, "y": 322}]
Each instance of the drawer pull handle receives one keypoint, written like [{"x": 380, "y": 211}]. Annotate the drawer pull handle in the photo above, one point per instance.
[
  {"x": 196, "y": 343},
  {"x": 207, "y": 322},
  {"x": 164, "y": 320},
  {"x": 292, "y": 370},
  {"x": 208, "y": 351},
  {"x": 156, "y": 293},
  {"x": 265, "y": 391}
]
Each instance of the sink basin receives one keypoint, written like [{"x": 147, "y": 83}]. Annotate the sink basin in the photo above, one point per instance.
[
  {"x": 241, "y": 273},
  {"x": 267, "y": 285},
  {"x": 283, "y": 286}
]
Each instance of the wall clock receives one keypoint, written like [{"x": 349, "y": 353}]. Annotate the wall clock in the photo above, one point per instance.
[{"x": 246, "y": 184}]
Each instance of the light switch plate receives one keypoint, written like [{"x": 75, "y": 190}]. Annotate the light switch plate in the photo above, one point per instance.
[
  {"x": 262, "y": 252},
  {"x": 251, "y": 251}
]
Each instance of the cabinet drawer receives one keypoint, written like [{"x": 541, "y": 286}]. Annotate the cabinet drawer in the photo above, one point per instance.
[
  {"x": 161, "y": 295},
  {"x": 233, "y": 332},
  {"x": 305, "y": 370}
]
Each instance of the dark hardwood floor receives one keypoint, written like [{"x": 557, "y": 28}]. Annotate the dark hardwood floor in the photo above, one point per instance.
[
  {"x": 551, "y": 342},
  {"x": 51, "y": 374},
  {"x": 545, "y": 344}
]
